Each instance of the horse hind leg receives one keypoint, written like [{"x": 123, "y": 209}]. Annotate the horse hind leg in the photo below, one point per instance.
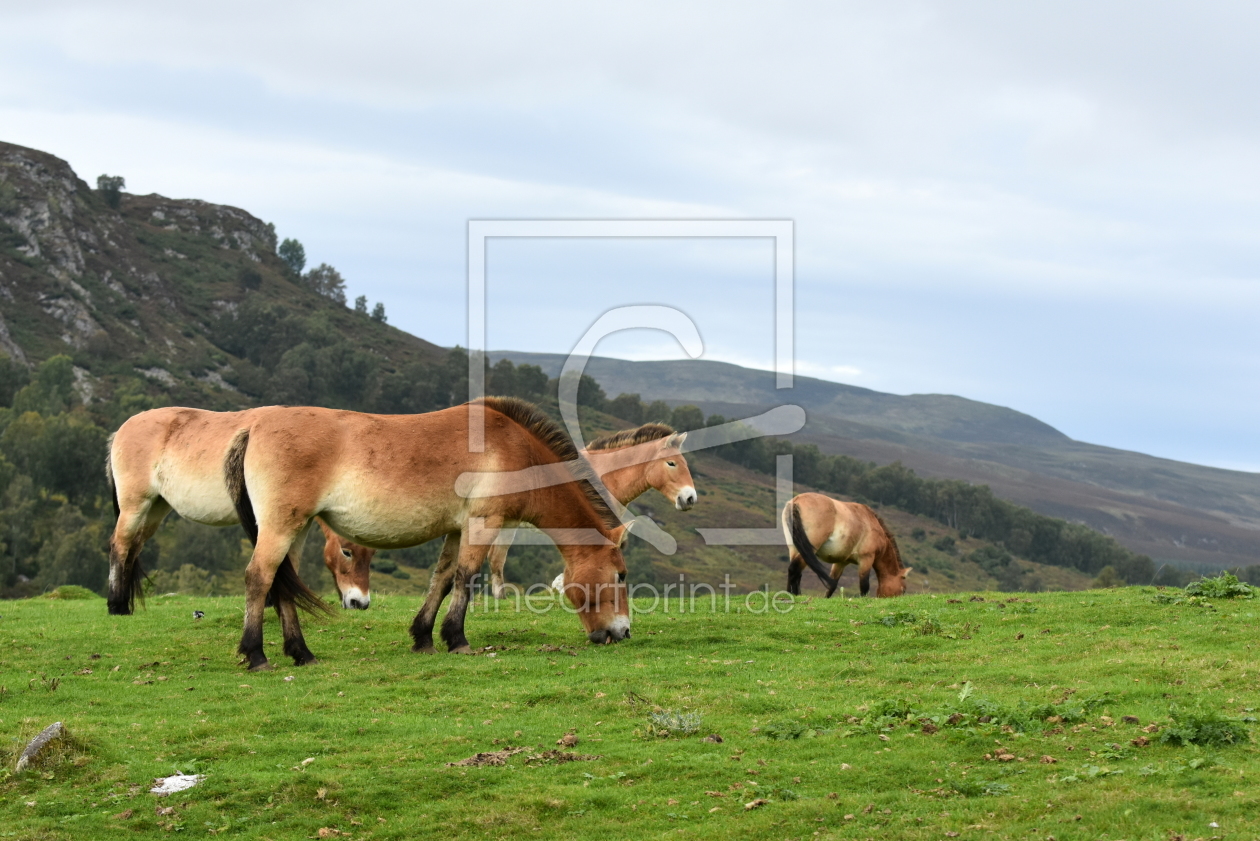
[
  {"x": 260, "y": 575},
  {"x": 126, "y": 576},
  {"x": 439, "y": 587}
]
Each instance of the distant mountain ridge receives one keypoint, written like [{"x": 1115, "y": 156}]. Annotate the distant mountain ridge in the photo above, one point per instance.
[
  {"x": 697, "y": 381},
  {"x": 1170, "y": 510}
]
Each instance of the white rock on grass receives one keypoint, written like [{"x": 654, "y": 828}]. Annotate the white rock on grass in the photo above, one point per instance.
[{"x": 176, "y": 782}]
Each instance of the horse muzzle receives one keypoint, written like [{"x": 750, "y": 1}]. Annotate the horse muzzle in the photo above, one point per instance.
[
  {"x": 355, "y": 599},
  {"x": 685, "y": 499},
  {"x": 616, "y": 632}
]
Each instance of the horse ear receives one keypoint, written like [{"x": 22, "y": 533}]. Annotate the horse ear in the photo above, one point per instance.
[
  {"x": 618, "y": 535},
  {"x": 906, "y": 571},
  {"x": 676, "y": 440}
]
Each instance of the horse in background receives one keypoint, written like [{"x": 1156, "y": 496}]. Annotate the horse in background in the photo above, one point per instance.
[
  {"x": 391, "y": 481},
  {"x": 171, "y": 459},
  {"x": 629, "y": 463},
  {"x": 819, "y": 528},
  {"x": 351, "y": 568}
]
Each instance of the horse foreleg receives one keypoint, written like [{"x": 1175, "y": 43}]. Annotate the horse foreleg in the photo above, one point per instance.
[
  {"x": 472, "y": 554},
  {"x": 453, "y": 624},
  {"x": 439, "y": 586},
  {"x": 294, "y": 642},
  {"x": 286, "y": 609},
  {"x": 498, "y": 557},
  {"x": 866, "y": 562}
]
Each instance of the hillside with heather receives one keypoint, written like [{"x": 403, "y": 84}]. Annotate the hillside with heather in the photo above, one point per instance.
[{"x": 112, "y": 303}]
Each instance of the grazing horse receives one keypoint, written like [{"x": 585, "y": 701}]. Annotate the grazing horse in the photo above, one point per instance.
[
  {"x": 172, "y": 459},
  {"x": 840, "y": 533},
  {"x": 628, "y": 463},
  {"x": 389, "y": 481},
  {"x": 351, "y": 568}
]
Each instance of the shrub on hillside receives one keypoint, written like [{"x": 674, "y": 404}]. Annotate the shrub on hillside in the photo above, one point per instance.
[{"x": 1224, "y": 586}]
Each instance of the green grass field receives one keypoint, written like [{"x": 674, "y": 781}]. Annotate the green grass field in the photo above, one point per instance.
[{"x": 838, "y": 719}]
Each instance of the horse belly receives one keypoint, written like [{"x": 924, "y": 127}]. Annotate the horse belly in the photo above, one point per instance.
[
  {"x": 386, "y": 522},
  {"x": 198, "y": 496},
  {"x": 838, "y": 547}
]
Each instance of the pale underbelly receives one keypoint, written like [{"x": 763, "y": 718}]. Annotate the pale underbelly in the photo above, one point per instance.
[
  {"x": 205, "y": 504},
  {"x": 387, "y": 531}
]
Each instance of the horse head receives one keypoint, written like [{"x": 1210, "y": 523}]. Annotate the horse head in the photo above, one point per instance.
[
  {"x": 351, "y": 567},
  {"x": 892, "y": 583},
  {"x": 667, "y": 471},
  {"x": 595, "y": 584}
]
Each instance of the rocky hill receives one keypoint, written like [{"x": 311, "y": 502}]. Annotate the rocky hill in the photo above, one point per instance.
[{"x": 150, "y": 288}]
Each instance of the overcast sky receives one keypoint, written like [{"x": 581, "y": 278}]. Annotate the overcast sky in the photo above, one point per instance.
[{"x": 1052, "y": 207}]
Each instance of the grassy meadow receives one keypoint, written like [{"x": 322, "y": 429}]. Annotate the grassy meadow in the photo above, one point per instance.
[{"x": 930, "y": 716}]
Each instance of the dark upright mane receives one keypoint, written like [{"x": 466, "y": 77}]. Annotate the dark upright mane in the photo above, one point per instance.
[
  {"x": 896, "y": 550},
  {"x": 631, "y": 437},
  {"x": 555, "y": 439}
]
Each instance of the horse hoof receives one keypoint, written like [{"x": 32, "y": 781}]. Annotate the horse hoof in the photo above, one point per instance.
[
  {"x": 427, "y": 649},
  {"x": 499, "y": 592},
  {"x": 264, "y": 666},
  {"x": 313, "y": 661},
  {"x": 463, "y": 649}
]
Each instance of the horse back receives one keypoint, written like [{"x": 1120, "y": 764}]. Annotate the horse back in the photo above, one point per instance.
[{"x": 381, "y": 480}]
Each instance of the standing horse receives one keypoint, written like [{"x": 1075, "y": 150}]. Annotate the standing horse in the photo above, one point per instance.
[
  {"x": 172, "y": 459},
  {"x": 628, "y": 463},
  {"x": 840, "y": 533},
  {"x": 390, "y": 481}
]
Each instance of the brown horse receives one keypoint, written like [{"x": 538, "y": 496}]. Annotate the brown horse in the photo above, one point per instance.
[
  {"x": 390, "y": 481},
  {"x": 351, "y": 568},
  {"x": 840, "y": 533},
  {"x": 172, "y": 459},
  {"x": 628, "y": 463}
]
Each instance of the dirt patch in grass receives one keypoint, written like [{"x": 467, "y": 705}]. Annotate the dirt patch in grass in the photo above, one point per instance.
[{"x": 500, "y": 757}]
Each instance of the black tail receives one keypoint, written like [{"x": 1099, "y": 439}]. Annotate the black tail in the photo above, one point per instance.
[
  {"x": 234, "y": 476},
  {"x": 288, "y": 587},
  {"x": 800, "y": 541},
  {"x": 109, "y": 473}
]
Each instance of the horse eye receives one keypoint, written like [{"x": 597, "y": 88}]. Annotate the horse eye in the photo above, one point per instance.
[
  {"x": 347, "y": 553},
  {"x": 672, "y": 463}
]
